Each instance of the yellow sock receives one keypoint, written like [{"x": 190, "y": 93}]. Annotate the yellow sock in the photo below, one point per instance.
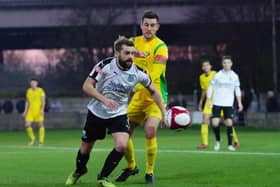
[
  {"x": 234, "y": 135},
  {"x": 151, "y": 153},
  {"x": 129, "y": 155},
  {"x": 204, "y": 133},
  {"x": 30, "y": 133},
  {"x": 41, "y": 135}
]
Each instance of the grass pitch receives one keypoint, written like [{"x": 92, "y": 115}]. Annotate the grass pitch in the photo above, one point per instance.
[{"x": 179, "y": 164}]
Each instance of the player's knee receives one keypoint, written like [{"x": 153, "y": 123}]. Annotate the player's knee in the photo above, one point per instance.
[
  {"x": 215, "y": 122},
  {"x": 86, "y": 148},
  {"x": 150, "y": 132},
  {"x": 228, "y": 122},
  {"x": 121, "y": 147}
]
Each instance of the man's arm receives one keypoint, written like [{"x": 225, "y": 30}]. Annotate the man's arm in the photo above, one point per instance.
[
  {"x": 201, "y": 100},
  {"x": 238, "y": 98},
  {"x": 43, "y": 101},
  {"x": 157, "y": 98},
  {"x": 90, "y": 90},
  {"x": 26, "y": 107}
]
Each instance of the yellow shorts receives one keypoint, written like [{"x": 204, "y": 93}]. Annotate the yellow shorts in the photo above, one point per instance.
[
  {"x": 140, "y": 109},
  {"x": 207, "y": 110},
  {"x": 34, "y": 117}
]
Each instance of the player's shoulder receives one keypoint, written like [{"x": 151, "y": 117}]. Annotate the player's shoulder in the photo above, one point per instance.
[
  {"x": 105, "y": 62},
  {"x": 234, "y": 74},
  {"x": 202, "y": 76},
  {"x": 213, "y": 72},
  {"x": 137, "y": 39},
  {"x": 138, "y": 68}
]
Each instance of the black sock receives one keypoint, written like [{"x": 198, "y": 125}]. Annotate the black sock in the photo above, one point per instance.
[
  {"x": 217, "y": 133},
  {"x": 229, "y": 135},
  {"x": 111, "y": 162},
  {"x": 81, "y": 162}
]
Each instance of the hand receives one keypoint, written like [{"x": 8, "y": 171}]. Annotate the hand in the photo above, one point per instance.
[
  {"x": 42, "y": 112},
  {"x": 240, "y": 107},
  {"x": 111, "y": 104}
]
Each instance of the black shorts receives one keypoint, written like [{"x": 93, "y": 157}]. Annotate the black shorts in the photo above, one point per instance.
[
  {"x": 95, "y": 127},
  {"x": 227, "y": 110}
]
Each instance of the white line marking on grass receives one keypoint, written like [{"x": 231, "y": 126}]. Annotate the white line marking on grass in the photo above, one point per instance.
[{"x": 71, "y": 149}]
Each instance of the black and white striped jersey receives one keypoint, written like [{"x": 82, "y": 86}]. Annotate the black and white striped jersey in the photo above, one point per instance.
[{"x": 115, "y": 84}]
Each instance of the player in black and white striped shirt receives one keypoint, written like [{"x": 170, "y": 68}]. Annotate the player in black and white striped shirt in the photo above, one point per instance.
[
  {"x": 109, "y": 84},
  {"x": 224, "y": 85}
]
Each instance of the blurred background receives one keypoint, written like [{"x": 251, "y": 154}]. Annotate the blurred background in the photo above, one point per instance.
[{"x": 59, "y": 41}]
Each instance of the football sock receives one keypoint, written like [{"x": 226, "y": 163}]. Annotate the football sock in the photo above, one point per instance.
[
  {"x": 234, "y": 135},
  {"x": 229, "y": 135},
  {"x": 41, "y": 135},
  {"x": 81, "y": 162},
  {"x": 30, "y": 133},
  {"x": 151, "y": 153},
  {"x": 217, "y": 133},
  {"x": 130, "y": 155},
  {"x": 111, "y": 163},
  {"x": 204, "y": 133}
]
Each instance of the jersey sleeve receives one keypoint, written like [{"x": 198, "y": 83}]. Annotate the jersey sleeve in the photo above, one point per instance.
[
  {"x": 144, "y": 79},
  {"x": 237, "y": 86},
  {"x": 160, "y": 61},
  {"x": 97, "y": 71},
  {"x": 42, "y": 92}
]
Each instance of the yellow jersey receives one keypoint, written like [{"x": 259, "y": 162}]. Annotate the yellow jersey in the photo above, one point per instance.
[
  {"x": 152, "y": 57},
  {"x": 206, "y": 79},
  {"x": 34, "y": 98}
]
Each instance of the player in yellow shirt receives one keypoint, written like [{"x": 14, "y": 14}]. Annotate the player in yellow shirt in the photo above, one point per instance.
[
  {"x": 151, "y": 56},
  {"x": 204, "y": 80},
  {"x": 34, "y": 111}
]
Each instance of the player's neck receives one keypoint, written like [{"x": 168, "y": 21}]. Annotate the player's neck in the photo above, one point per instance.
[
  {"x": 148, "y": 39},
  {"x": 227, "y": 70},
  {"x": 34, "y": 88},
  {"x": 207, "y": 73}
]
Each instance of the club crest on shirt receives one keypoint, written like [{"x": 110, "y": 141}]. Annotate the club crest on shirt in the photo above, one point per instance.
[{"x": 131, "y": 78}]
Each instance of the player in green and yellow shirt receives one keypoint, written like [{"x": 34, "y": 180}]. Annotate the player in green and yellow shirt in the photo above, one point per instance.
[
  {"x": 205, "y": 79},
  {"x": 151, "y": 56},
  {"x": 34, "y": 111}
]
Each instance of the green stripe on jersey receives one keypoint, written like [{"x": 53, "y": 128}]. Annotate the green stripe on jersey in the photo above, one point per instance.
[
  {"x": 163, "y": 63},
  {"x": 163, "y": 88},
  {"x": 158, "y": 46}
]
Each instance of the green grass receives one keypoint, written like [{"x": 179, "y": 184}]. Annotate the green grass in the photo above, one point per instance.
[{"x": 179, "y": 164}]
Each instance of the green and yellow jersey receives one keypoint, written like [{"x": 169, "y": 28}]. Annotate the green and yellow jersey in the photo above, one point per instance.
[{"x": 152, "y": 57}]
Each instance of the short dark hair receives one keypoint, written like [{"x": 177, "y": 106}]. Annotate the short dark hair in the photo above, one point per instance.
[
  {"x": 34, "y": 79},
  {"x": 122, "y": 41},
  {"x": 227, "y": 57},
  {"x": 204, "y": 60},
  {"x": 150, "y": 15}
]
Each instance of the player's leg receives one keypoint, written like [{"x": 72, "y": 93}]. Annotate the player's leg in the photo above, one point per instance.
[
  {"x": 81, "y": 162},
  {"x": 228, "y": 112},
  {"x": 215, "y": 124},
  {"x": 151, "y": 126},
  {"x": 94, "y": 130},
  {"x": 207, "y": 112},
  {"x": 113, "y": 159},
  {"x": 29, "y": 118},
  {"x": 41, "y": 132},
  {"x": 135, "y": 116},
  {"x": 129, "y": 154},
  {"x": 30, "y": 133}
]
